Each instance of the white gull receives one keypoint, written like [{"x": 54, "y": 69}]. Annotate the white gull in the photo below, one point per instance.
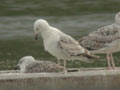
[{"x": 59, "y": 44}]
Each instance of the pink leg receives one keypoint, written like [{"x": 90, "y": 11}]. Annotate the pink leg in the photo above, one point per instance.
[
  {"x": 58, "y": 61},
  {"x": 108, "y": 61},
  {"x": 112, "y": 61},
  {"x": 65, "y": 66}
]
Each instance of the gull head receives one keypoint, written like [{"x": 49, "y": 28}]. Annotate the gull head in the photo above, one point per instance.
[
  {"x": 40, "y": 26},
  {"x": 117, "y": 18},
  {"x": 24, "y": 61}
]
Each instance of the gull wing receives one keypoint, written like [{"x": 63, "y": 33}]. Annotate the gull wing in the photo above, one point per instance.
[
  {"x": 72, "y": 47},
  {"x": 99, "y": 39}
]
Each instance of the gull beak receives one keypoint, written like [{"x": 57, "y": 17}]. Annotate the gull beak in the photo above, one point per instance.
[{"x": 36, "y": 36}]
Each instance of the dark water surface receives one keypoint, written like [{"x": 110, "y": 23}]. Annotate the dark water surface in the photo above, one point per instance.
[{"x": 74, "y": 17}]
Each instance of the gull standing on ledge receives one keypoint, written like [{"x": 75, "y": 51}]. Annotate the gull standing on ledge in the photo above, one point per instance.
[
  {"x": 60, "y": 45},
  {"x": 106, "y": 40}
]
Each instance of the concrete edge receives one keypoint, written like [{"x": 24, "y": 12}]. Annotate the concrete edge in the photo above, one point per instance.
[{"x": 14, "y": 75}]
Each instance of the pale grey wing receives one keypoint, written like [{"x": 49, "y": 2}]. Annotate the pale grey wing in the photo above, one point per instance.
[
  {"x": 100, "y": 38},
  {"x": 72, "y": 47}
]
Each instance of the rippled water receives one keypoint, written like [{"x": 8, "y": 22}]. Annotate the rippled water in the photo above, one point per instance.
[{"x": 74, "y": 17}]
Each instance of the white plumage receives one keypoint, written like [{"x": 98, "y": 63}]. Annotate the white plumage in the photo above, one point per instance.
[{"x": 60, "y": 45}]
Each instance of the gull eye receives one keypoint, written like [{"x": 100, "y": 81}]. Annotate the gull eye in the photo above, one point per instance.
[
  {"x": 20, "y": 62},
  {"x": 37, "y": 29}
]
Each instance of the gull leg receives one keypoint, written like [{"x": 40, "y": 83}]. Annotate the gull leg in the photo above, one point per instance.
[
  {"x": 58, "y": 61},
  {"x": 108, "y": 61},
  {"x": 65, "y": 66},
  {"x": 112, "y": 61}
]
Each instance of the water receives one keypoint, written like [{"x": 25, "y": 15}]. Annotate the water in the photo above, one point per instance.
[{"x": 74, "y": 17}]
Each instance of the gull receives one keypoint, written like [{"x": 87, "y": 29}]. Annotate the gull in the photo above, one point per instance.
[
  {"x": 106, "y": 40},
  {"x": 59, "y": 44},
  {"x": 28, "y": 64}
]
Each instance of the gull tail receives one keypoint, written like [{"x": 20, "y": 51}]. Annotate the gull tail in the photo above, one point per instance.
[{"x": 90, "y": 56}]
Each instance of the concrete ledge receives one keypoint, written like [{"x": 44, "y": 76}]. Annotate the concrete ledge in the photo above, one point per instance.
[{"x": 92, "y": 79}]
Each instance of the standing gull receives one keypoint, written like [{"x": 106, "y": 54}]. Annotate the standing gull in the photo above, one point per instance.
[
  {"x": 106, "y": 40},
  {"x": 60, "y": 45},
  {"x": 28, "y": 64}
]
